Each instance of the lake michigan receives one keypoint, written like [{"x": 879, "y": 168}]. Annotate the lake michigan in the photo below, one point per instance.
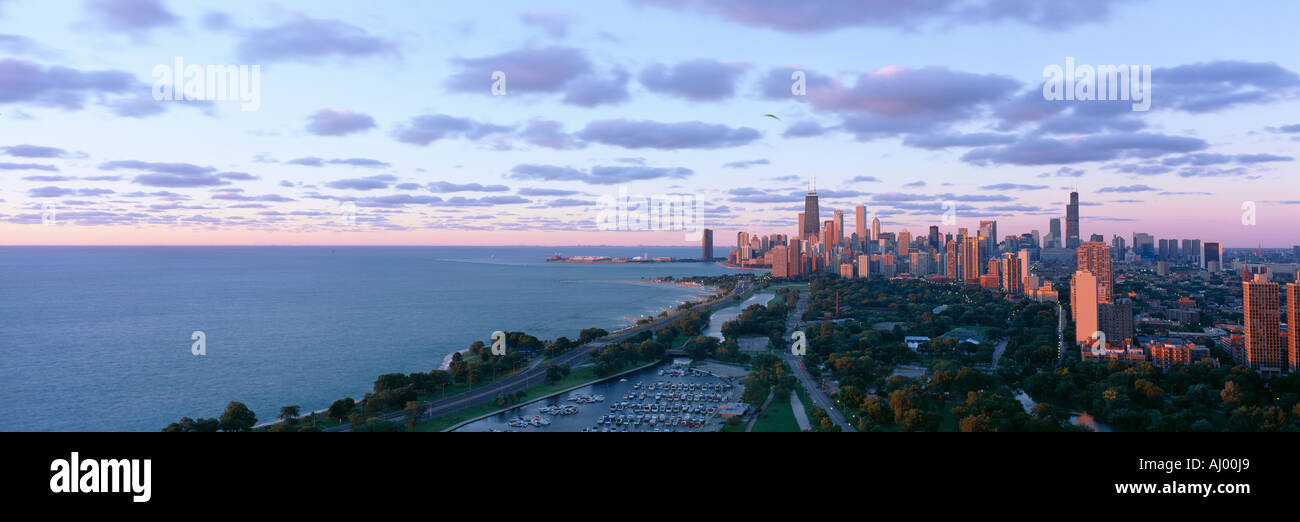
[{"x": 99, "y": 338}]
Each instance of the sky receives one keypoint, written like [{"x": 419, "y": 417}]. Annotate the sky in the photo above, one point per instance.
[{"x": 386, "y": 123}]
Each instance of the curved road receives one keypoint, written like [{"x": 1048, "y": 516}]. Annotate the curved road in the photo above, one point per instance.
[{"x": 535, "y": 373}]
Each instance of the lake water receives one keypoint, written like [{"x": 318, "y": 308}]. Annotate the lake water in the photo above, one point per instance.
[{"x": 99, "y": 338}]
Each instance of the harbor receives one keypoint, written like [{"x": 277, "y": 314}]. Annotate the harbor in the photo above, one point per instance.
[{"x": 668, "y": 397}]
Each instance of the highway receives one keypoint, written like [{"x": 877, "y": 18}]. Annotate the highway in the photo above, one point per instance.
[
  {"x": 535, "y": 373},
  {"x": 815, "y": 392}
]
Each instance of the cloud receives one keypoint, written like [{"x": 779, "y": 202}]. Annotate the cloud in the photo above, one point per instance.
[
  {"x": 593, "y": 90},
  {"x": 815, "y": 16},
  {"x": 235, "y": 196},
  {"x": 312, "y": 161},
  {"x": 549, "y": 134},
  {"x": 446, "y": 186},
  {"x": 1213, "y": 86},
  {"x": 537, "y": 191},
  {"x": 1128, "y": 188},
  {"x": 864, "y": 179},
  {"x": 59, "y": 87},
  {"x": 744, "y": 164},
  {"x": 36, "y": 151},
  {"x": 541, "y": 70},
  {"x": 307, "y": 39},
  {"x": 381, "y": 181},
  {"x": 554, "y": 23},
  {"x": 330, "y": 122},
  {"x": 27, "y": 166},
  {"x": 1012, "y": 186},
  {"x": 130, "y": 16},
  {"x": 426, "y": 129},
  {"x": 529, "y": 70},
  {"x": 599, "y": 175},
  {"x": 667, "y": 136},
  {"x": 57, "y": 192},
  {"x": 569, "y": 202},
  {"x": 695, "y": 80},
  {"x": 805, "y": 129},
  {"x": 18, "y": 44},
  {"x": 1050, "y": 151},
  {"x": 945, "y": 140}
]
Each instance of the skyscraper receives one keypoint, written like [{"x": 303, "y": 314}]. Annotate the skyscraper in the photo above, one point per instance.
[
  {"x": 742, "y": 245},
  {"x": 950, "y": 261},
  {"x": 1116, "y": 320},
  {"x": 989, "y": 229},
  {"x": 837, "y": 237},
  {"x": 875, "y": 228},
  {"x": 1094, "y": 256},
  {"x": 1083, "y": 305},
  {"x": 1013, "y": 273},
  {"x": 1211, "y": 256},
  {"x": 1293, "y": 323},
  {"x": 707, "y": 245},
  {"x": 800, "y": 233},
  {"x": 970, "y": 267},
  {"x": 1263, "y": 329},
  {"x": 811, "y": 217},
  {"x": 780, "y": 261},
  {"x": 935, "y": 242},
  {"x": 904, "y": 242},
  {"x": 860, "y": 216},
  {"x": 1072, "y": 221},
  {"x": 1054, "y": 229}
]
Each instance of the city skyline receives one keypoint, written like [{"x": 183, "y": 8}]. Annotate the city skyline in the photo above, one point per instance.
[{"x": 385, "y": 130}]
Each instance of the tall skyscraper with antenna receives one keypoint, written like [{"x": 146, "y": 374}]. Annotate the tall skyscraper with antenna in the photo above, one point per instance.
[
  {"x": 1072, "y": 221},
  {"x": 811, "y": 221}
]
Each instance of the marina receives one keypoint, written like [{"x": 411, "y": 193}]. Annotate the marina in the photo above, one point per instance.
[{"x": 662, "y": 398}]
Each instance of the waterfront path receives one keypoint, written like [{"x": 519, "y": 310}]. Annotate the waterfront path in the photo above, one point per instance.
[
  {"x": 535, "y": 373},
  {"x": 800, "y": 416}
]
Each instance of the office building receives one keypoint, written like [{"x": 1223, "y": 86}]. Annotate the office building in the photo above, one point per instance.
[
  {"x": 1072, "y": 221},
  {"x": 706, "y": 244}
]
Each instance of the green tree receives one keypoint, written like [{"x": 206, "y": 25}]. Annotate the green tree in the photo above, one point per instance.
[{"x": 237, "y": 417}]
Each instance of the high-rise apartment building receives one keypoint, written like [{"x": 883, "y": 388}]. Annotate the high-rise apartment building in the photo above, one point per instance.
[
  {"x": 971, "y": 253},
  {"x": 1013, "y": 273},
  {"x": 1094, "y": 256},
  {"x": 706, "y": 245},
  {"x": 875, "y": 229},
  {"x": 1083, "y": 305},
  {"x": 1293, "y": 324},
  {"x": 1263, "y": 335}
]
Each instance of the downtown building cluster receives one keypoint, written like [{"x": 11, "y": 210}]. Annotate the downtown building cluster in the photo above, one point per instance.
[{"x": 1023, "y": 267}]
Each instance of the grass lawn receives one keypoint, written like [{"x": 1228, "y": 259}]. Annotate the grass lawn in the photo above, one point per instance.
[{"x": 777, "y": 417}]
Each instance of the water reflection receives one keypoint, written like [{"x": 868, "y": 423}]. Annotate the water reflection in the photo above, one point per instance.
[
  {"x": 1077, "y": 418},
  {"x": 731, "y": 312}
]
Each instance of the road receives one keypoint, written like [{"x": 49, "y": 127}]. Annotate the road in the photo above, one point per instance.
[
  {"x": 997, "y": 351},
  {"x": 815, "y": 392},
  {"x": 1060, "y": 334},
  {"x": 535, "y": 373}
]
